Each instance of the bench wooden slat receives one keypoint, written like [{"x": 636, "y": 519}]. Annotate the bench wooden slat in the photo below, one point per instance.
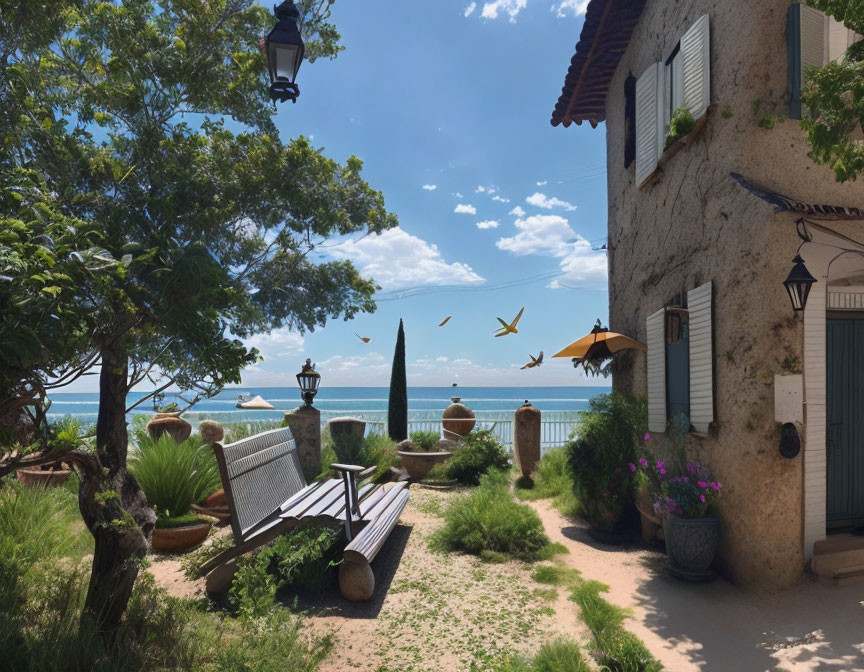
[
  {"x": 305, "y": 503},
  {"x": 337, "y": 509},
  {"x": 369, "y": 541},
  {"x": 333, "y": 497},
  {"x": 389, "y": 495}
]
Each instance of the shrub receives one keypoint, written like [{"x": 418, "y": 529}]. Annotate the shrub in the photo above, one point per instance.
[
  {"x": 559, "y": 656},
  {"x": 552, "y": 480},
  {"x": 680, "y": 124},
  {"x": 380, "y": 451},
  {"x": 598, "y": 459},
  {"x": 425, "y": 442},
  {"x": 476, "y": 454},
  {"x": 489, "y": 519},
  {"x": 174, "y": 476},
  {"x": 615, "y": 649}
]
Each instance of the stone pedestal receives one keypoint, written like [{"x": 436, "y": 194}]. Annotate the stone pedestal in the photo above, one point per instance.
[
  {"x": 526, "y": 438},
  {"x": 305, "y": 424},
  {"x": 347, "y": 435}
]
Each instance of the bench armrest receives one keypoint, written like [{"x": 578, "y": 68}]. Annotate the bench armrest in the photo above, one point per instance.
[{"x": 358, "y": 471}]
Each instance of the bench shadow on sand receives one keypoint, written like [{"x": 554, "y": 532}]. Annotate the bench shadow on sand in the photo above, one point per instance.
[{"x": 329, "y": 600}]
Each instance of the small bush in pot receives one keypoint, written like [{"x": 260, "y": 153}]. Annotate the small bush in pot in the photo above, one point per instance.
[
  {"x": 475, "y": 455},
  {"x": 425, "y": 442}
]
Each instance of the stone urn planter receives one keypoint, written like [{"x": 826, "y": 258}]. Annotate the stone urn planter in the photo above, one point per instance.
[
  {"x": 458, "y": 419},
  {"x": 690, "y": 546},
  {"x": 179, "y": 539},
  {"x": 171, "y": 424},
  {"x": 419, "y": 464},
  {"x": 46, "y": 478}
]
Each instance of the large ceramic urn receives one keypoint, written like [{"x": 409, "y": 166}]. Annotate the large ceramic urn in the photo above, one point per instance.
[
  {"x": 169, "y": 423},
  {"x": 458, "y": 419}
]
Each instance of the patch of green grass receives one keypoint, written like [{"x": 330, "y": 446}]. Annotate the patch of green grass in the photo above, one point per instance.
[
  {"x": 555, "y": 576},
  {"x": 551, "y": 480},
  {"x": 425, "y": 442},
  {"x": 615, "y": 648},
  {"x": 489, "y": 519},
  {"x": 545, "y": 593},
  {"x": 191, "y": 518},
  {"x": 493, "y": 557},
  {"x": 559, "y": 656},
  {"x": 550, "y": 550}
]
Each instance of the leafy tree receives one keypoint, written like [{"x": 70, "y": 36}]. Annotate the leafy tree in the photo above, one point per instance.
[
  {"x": 397, "y": 406},
  {"x": 151, "y": 219},
  {"x": 834, "y": 96}
]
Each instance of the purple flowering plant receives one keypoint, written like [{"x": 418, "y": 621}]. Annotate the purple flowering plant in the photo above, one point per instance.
[{"x": 687, "y": 491}]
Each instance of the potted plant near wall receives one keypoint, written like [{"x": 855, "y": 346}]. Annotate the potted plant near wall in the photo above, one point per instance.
[
  {"x": 174, "y": 477},
  {"x": 65, "y": 433},
  {"x": 683, "y": 500},
  {"x": 422, "y": 451}
]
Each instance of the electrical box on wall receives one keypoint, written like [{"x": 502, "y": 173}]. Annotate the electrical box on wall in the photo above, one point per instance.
[{"x": 789, "y": 398}]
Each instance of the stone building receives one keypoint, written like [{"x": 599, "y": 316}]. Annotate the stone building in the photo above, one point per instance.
[{"x": 702, "y": 231}]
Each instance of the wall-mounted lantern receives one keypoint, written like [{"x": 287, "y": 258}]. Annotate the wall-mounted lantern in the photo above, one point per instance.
[
  {"x": 284, "y": 48},
  {"x": 798, "y": 284}
]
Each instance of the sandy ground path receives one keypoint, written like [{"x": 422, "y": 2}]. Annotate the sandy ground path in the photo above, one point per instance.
[
  {"x": 716, "y": 626},
  {"x": 440, "y": 611}
]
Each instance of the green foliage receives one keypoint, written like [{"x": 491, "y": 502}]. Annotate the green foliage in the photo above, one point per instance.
[
  {"x": 614, "y": 648},
  {"x": 609, "y": 433},
  {"x": 833, "y": 100},
  {"x": 302, "y": 558},
  {"x": 552, "y": 480},
  {"x": 379, "y": 451},
  {"x": 489, "y": 519},
  {"x": 397, "y": 407},
  {"x": 191, "y": 518},
  {"x": 681, "y": 123},
  {"x": 193, "y": 561},
  {"x": 425, "y": 442},
  {"x": 475, "y": 455},
  {"x": 558, "y": 656},
  {"x": 555, "y": 576},
  {"x": 174, "y": 476},
  {"x": 727, "y": 112}
]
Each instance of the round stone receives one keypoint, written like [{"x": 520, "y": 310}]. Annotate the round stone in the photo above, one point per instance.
[{"x": 356, "y": 581}]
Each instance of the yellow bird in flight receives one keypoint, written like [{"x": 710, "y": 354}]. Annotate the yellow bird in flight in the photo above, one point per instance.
[
  {"x": 363, "y": 338},
  {"x": 509, "y": 328},
  {"x": 446, "y": 320},
  {"x": 535, "y": 361}
]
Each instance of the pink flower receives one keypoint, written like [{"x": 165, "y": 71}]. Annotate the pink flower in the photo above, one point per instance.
[
  {"x": 660, "y": 464},
  {"x": 662, "y": 472},
  {"x": 632, "y": 466},
  {"x": 643, "y": 461},
  {"x": 702, "y": 498},
  {"x": 647, "y": 436},
  {"x": 702, "y": 484},
  {"x": 691, "y": 468},
  {"x": 715, "y": 485}
]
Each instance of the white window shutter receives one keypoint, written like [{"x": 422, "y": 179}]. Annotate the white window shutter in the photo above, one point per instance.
[
  {"x": 701, "y": 358},
  {"x": 695, "y": 57},
  {"x": 813, "y": 40},
  {"x": 838, "y": 39},
  {"x": 656, "y": 337},
  {"x": 649, "y": 99}
]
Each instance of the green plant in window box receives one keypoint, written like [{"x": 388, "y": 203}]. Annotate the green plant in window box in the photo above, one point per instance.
[{"x": 680, "y": 124}]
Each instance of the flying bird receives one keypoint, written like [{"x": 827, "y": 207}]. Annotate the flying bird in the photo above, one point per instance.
[
  {"x": 446, "y": 320},
  {"x": 535, "y": 361},
  {"x": 509, "y": 328},
  {"x": 363, "y": 338}
]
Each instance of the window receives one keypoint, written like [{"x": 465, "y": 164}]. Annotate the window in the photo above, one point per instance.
[
  {"x": 683, "y": 79},
  {"x": 629, "y": 120},
  {"x": 680, "y": 365},
  {"x": 814, "y": 39}
]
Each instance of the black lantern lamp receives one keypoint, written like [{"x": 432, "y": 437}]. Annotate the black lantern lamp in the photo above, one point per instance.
[
  {"x": 308, "y": 380},
  {"x": 798, "y": 284},
  {"x": 284, "y": 48}
]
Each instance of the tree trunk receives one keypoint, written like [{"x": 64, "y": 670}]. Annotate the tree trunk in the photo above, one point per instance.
[{"x": 114, "y": 508}]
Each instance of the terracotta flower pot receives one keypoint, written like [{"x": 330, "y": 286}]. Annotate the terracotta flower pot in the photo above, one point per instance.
[
  {"x": 690, "y": 546},
  {"x": 419, "y": 464},
  {"x": 179, "y": 539},
  {"x": 170, "y": 423},
  {"x": 41, "y": 477}
]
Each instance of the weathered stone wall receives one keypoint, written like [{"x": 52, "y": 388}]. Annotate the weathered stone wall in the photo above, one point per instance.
[{"x": 694, "y": 225}]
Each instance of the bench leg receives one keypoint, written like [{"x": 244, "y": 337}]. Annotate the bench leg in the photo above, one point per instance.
[
  {"x": 356, "y": 580},
  {"x": 218, "y": 581}
]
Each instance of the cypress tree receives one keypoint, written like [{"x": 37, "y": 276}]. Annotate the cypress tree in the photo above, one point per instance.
[{"x": 397, "y": 408}]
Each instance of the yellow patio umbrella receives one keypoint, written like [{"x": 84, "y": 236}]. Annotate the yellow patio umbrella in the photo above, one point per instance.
[{"x": 597, "y": 347}]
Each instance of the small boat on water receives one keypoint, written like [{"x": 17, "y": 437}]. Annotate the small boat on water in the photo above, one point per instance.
[{"x": 256, "y": 403}]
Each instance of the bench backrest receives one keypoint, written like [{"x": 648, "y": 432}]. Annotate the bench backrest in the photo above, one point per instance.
[{"x": 259, "y": 474}]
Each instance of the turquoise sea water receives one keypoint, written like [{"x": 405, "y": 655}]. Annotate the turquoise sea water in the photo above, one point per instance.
[{"x": 369, "y": 403}]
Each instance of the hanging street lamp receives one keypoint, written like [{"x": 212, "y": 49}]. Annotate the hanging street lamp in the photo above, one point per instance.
[
  {"x": 284, "y": 48},
  {"x": 798, "y": 284},
  {"x": 308, "y": 380}
]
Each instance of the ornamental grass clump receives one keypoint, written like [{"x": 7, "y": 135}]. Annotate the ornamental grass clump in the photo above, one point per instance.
[
  {"x": 489, "y": 520},
  {"x": 476, "y": 454}
]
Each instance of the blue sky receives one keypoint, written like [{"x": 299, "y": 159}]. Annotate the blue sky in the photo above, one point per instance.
[
  {"x": 448, "y": 105},
  {"x": 449, "y": 110}
]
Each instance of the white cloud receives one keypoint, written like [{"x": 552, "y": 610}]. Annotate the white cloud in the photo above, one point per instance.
[
  {"x": 518, "y": 211},
  {"x": 543, "y": 183},
  {"x": 397, "y": 259},
  {"x": 457, "y": 194},
  {"x": 488, "y": 224},
  {"x": 480, "y": 189},
  {"x": 551, "y": 235},
  {"x": 548, "y": 202},
  {"x": 469, "y": 10},
  {"x": 500, "y": 199},
  {"x": 509, "y": 7},
  {"x": 465, "y": 209},
  {"x": 430, "y": 187},
  {"x": 276, "y": 343},
  {"x": 567, "y": 8}
]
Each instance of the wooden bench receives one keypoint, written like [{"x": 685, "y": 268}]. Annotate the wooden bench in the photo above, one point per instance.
[{"x": 267, "y": 496}]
